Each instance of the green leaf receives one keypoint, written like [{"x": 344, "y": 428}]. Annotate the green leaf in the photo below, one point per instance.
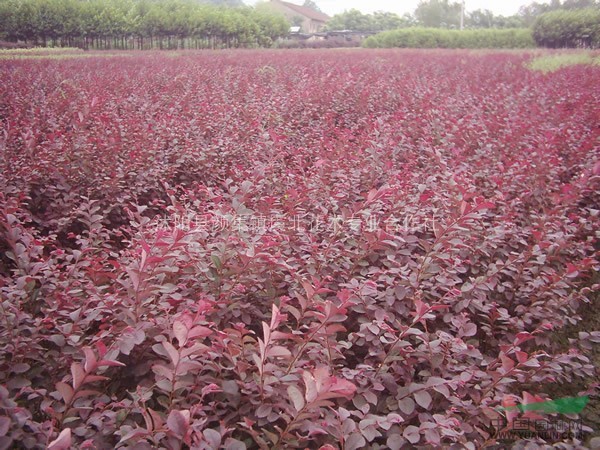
[{"x": 216, "y": 261}]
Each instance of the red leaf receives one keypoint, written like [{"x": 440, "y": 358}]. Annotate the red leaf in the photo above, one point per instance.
[
  {"x": 276, "y": 318},
  {"x": 522, "y": 356},
  {"x": 423, "y": 398},
  {"x": 524, "y": 336},
  {"x": 509, "y": 402},
  {"x": 342, "y": 387},
  {"x": 355, "y": 441},
  {"x": 311, "y": 387},
  {"x": 425, "y": 196},
  {"x": 85, "y": 393},
  {"x": 65, "y": 390},
  {"x": 278, "y": 351},
  {"x": 371, "y": 195},
  {"x": 105, "y": 362},
  {"x": 484, "y": 205},
  {"x": 90, "y": 359},
  {"x": 407, "y": 405},
  {"x": 572, "y": 269},
  {"x": 464, "y": 207},
  {"x": 62, "y": 442},
  {"x": 4, "y": 426},
  {"x": 92, "y": 378},
  {"x": 344, "y": 295},
  {"x": 178, "y": 422},
  {"x": 310, "y": 291},
  {"x": 78, "y": 375},
  {"x": 507, "y": 363},
  {"x": 101, "y": 349},
  {"x": 531, "y": 398},
  {"x": 213, "y": 437},
  {"x": 133, "y": 433},
  {"x": 157, "y": 419},
  {"x": 296, "y": 397},
  {"x": 199, "y": 331},
  {"x": 172, "y": 352},
  {"x": 412, "y": 434},
  {"x": 180, "y": 331}
]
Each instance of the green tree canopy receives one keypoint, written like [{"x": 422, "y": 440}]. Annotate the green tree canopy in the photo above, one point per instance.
[
  {"x": 568, "y": 28},
  {"x": 438, "y": 14},
  {"x": 226, "y": 3},
  {"x": 121, "y": 23},
  {"x": 354, "y": 20},
  {"x": 312, "y": 5}
]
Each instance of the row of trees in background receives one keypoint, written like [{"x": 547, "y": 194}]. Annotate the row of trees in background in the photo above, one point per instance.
[
  {"x": 127, "y": 24},
  {"x": 562, "y": 28},
  {"x": 418, "y": 37},
  {"x": 447, "y": 14},
  {"x": 433, "y": 14},
  {"x": 435, "y": 23},
  {"x": 355, "y": 20}
]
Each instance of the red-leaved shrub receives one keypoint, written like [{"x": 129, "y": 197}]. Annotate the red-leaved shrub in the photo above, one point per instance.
[{"x": 267, "y": 249}]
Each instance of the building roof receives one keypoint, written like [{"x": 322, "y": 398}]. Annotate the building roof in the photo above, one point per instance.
[{"x": 306, "y": 12}]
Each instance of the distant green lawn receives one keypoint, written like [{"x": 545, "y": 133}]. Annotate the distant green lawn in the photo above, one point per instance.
[{"x": 552, "y": 63}]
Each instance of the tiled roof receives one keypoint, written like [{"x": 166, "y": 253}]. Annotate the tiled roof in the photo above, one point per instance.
[{"x": 306, "y": 12}]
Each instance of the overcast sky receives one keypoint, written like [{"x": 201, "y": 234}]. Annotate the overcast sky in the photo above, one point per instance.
[{"x": 331, "y": 7}]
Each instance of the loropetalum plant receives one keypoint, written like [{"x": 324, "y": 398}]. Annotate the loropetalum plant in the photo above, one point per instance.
[{"x": 291, "y": 250}]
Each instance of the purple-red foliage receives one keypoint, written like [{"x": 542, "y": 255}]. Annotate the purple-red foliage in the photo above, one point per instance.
[{"x": 289, "y": 249}]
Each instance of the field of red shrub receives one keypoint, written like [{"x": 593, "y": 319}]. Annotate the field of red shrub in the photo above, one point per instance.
[{"x": 334, "y": 249}]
